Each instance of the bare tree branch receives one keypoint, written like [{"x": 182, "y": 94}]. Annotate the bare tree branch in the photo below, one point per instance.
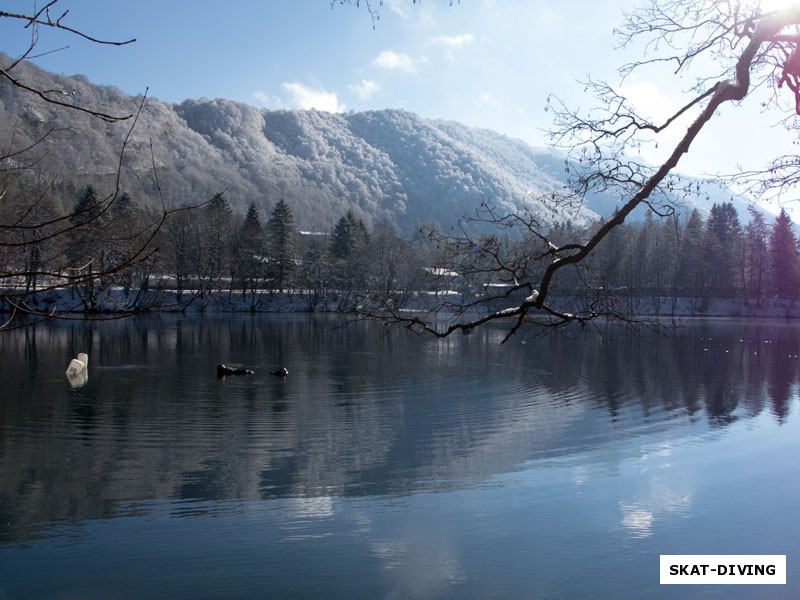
[
  {"x": 43, "y": 18},
  {"x": 748, "y": 49}
]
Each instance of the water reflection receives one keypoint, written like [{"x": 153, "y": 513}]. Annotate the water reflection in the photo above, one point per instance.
[{"x": 367, "y": 411}]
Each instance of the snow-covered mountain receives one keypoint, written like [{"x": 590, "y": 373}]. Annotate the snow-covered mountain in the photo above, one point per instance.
[{"x": 389, "y": 165}]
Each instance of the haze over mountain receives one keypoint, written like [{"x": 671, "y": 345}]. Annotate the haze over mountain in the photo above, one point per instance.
[{"x": 389, "y": 165}]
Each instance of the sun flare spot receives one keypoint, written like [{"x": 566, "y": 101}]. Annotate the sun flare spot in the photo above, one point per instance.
[{"x": 772, "y": 5}]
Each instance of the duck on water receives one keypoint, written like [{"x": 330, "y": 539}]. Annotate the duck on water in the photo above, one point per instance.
[{"x": 223, "y": 370}]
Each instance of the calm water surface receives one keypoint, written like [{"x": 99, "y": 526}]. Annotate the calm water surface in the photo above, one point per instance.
[{"x": 390, "y": 466}]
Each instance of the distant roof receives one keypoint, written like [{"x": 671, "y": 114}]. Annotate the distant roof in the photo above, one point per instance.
[{"x": 440, "y": 272}]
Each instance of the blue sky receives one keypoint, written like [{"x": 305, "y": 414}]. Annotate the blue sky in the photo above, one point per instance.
[{"x": 487, "y": 63}]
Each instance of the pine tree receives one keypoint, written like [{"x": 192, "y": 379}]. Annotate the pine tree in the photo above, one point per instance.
[
  {"x": 342, "y": 238},
  {"x": 217, "y": 238},
  {"x": 610, "y": 261},
  {"x": 783, "y": 258},
  {"x": 87, "y": 207},
  {"x": 123, "y": 221},
  {"x": 123, "y": 237},
  {"x": 251, "y": 233},
  {"x": 723, "y": 248},
  {"x": 219, "y": 211},
  {"x": 87, "y": 245},
  {"x": 646, "y": 253},
  {"x": 690, "y": 267},
  {"x": 362, "y": 235},
  {"x": 249, "y": 250},
  {"x": 282, "y": 237},
  {"x": 666, "y": 256},
  {"x": 348, "y": 235},
  {"x": 348, "y": 248},
  {"x": 180, "y": 242},
  {"x": 86, "y": 219},
  {"x": 756, "y": 256}
]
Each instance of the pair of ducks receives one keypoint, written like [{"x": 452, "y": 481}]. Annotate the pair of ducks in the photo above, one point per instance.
[{"x": 223, "y": 370}]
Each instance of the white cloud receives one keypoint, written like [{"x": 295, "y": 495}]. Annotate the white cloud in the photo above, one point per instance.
[
  {"x": 450, "y": 43},
  {"x": 486, "y": 101},
  {"x": 307, "y": 98},
  {"x": 454, "y": 41},
  {"x": 408, "y": 10},
  {"x": 398, "y": 7},
  {"x": 388, "y": 59},
  {"x": 364, "y": 89}
]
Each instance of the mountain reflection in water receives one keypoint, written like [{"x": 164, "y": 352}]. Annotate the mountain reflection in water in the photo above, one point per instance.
[{"x": 366, "y": 412}]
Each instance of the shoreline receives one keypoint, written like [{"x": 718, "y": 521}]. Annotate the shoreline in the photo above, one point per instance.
[{"x": 118, "y": 302}]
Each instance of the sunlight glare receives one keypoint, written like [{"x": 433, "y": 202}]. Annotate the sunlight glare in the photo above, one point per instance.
[{"x": 770, "y": 5}]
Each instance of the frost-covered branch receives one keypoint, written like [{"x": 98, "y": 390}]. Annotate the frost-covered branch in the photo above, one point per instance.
[
  {"x": 746, "y": 48},
  {"x": 45, "y": 17}
]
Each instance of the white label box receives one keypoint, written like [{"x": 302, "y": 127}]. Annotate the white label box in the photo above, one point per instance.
[{"x": 727, "y": 569}]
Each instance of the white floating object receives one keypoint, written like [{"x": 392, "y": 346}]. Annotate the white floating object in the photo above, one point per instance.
[
  {"x": 76, "y": 365},
  {"x": 78, "y": 370}
]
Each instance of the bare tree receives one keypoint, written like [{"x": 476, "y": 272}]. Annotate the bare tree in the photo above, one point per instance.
[
  {"x": 32, "y": 225},
  {"x": 371, "y": 7},
  {"x": 731, "y": 49},
  {"x": 36, "y": 21}
]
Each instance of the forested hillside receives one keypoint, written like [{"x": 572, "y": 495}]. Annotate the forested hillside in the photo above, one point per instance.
[
  {"x": 336, "y": 210},
  {"x": 388, "y": 166}
]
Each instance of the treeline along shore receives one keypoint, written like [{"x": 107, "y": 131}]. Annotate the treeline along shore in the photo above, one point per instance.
[{"x": 210, "y": 259}]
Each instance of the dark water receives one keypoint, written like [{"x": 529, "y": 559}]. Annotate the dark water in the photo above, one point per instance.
[{"x": 389, "y": 466}]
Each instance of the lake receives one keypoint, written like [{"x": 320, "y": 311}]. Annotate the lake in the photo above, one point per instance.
[{"x": 386, "y": 465}]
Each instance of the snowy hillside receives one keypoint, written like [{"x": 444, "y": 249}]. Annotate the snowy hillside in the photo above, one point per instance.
[{"x": 389, "y": 165}]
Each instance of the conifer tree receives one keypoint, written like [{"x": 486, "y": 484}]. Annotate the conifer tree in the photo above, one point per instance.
[
  {"x": 217, "y": 237},
  {"x": 690, "y": 269},
  {"x": 85, "y": 251},
  {"x": 610, "y": 262},
  {"x": 249, "y": 250},
  {"x": 783, "y": 258},
  {"x": 756, "y": 256},
  {"x": 282, "y": 237},
  {"x": 252, "y": 231},
  {"x": 348, "y": 235},
  {"x": 123, "y": 237},
  {"x": 723, "y": 248},
  {"x": 342, "y": 238},
  {"x": 181, "y": 245},
  {"x": 87, "y": 206},
  {"x": 348, "y": 248}
]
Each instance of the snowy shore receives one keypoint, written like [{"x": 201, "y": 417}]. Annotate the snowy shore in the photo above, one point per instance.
[{"x": 118, "y": 302}]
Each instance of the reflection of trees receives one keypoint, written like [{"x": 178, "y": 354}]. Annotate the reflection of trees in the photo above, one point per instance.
[
  {"x": 366, "y": 409},
  {"x": 717, "y": 368},
  {"x": 781, "y": 375}
]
